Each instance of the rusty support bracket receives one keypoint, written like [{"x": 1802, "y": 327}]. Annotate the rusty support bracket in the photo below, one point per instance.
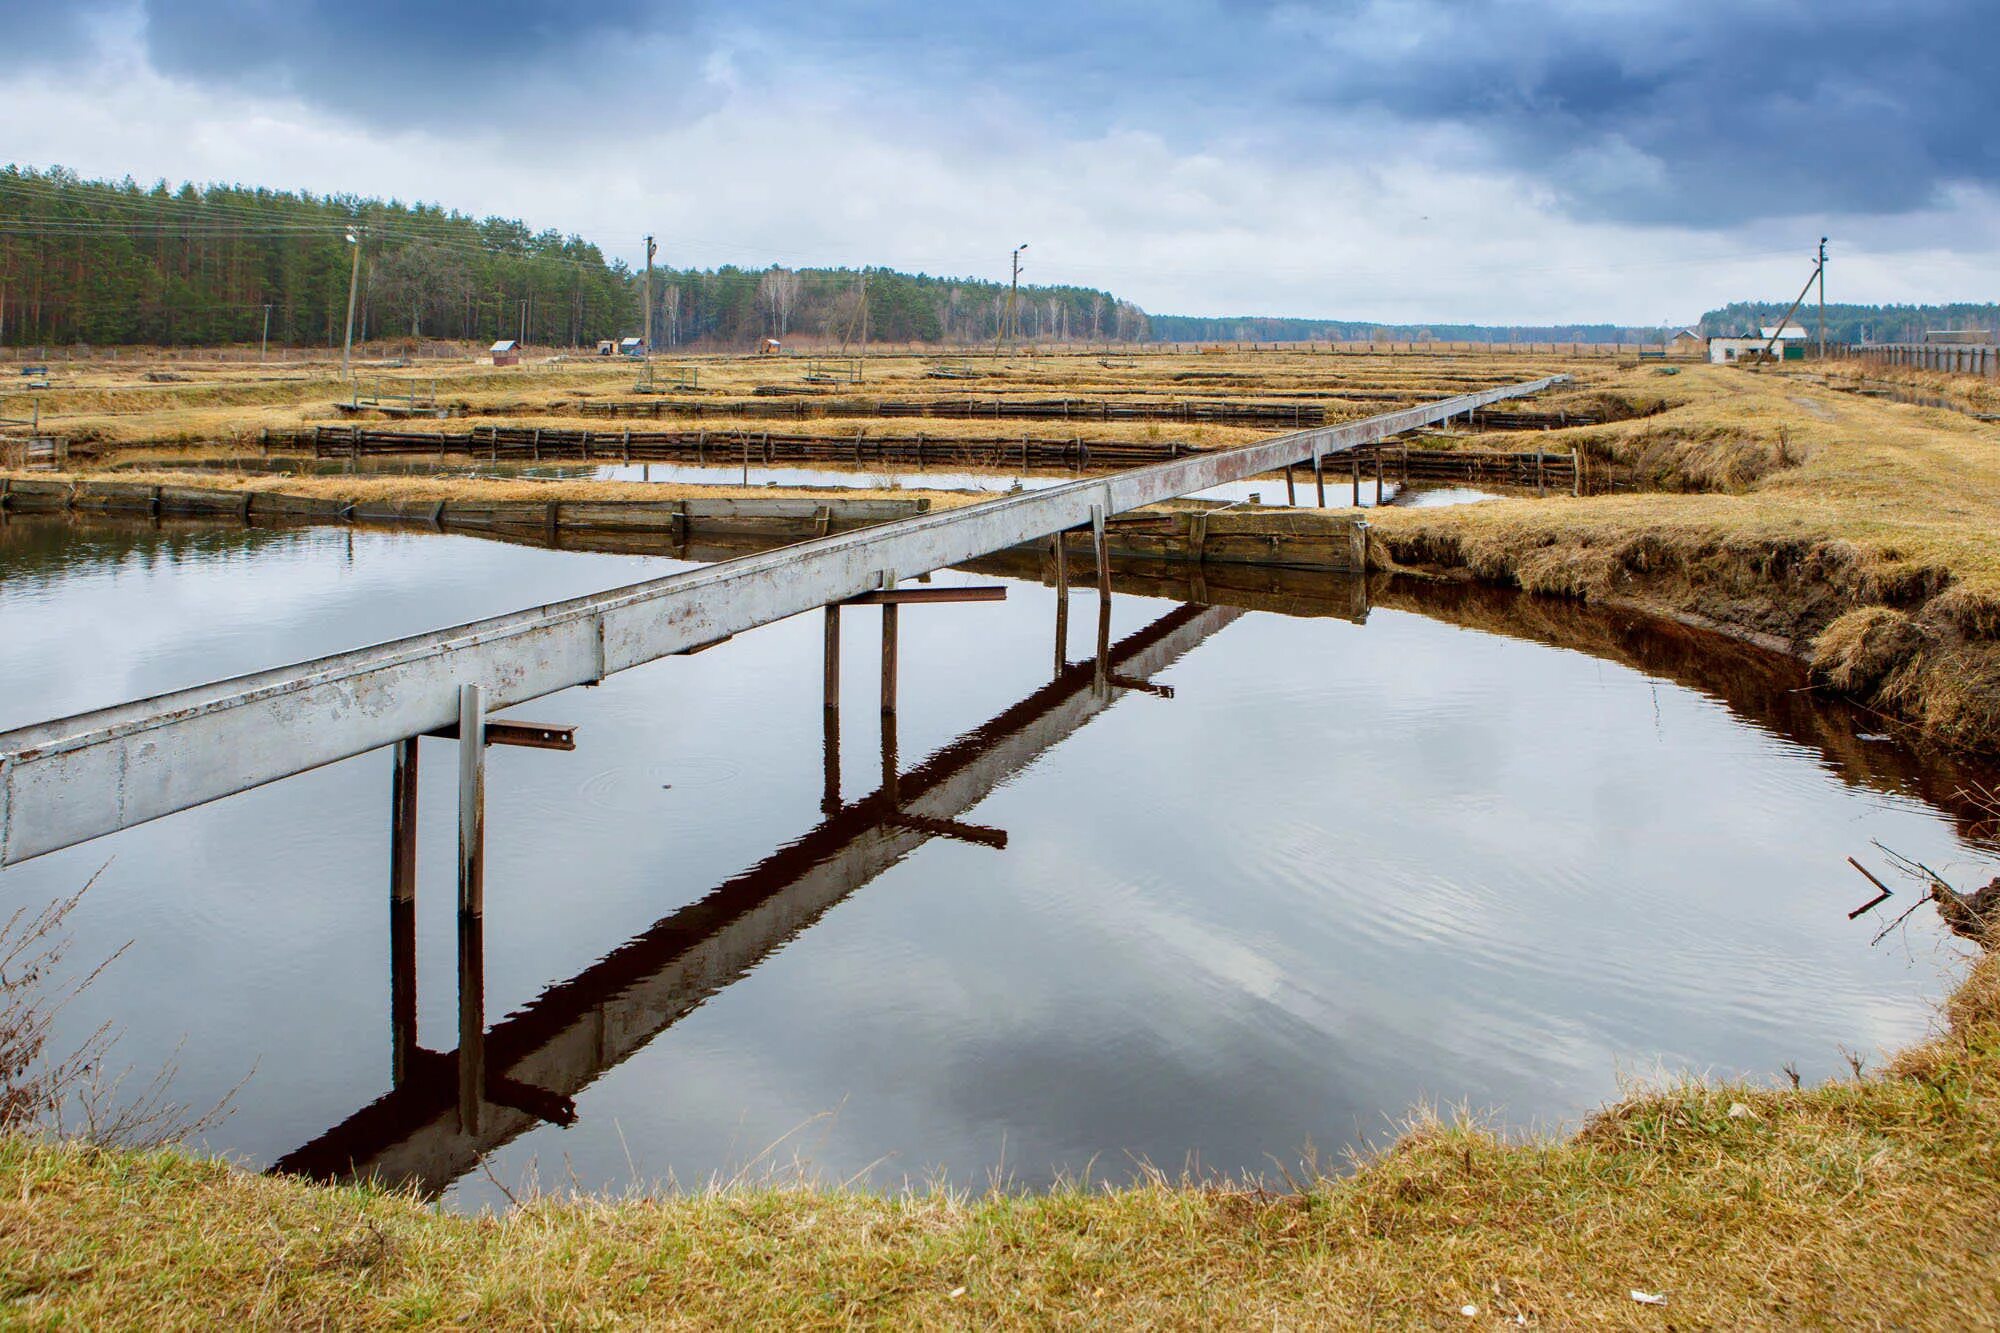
[
  {"x": 702, "y": 647},
  {"x": 994, "y": 592},
  {"x": 530, "y": 735}
]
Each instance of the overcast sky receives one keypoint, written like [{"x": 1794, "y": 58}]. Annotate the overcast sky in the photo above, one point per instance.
[{"x": 1500, "y": 161}]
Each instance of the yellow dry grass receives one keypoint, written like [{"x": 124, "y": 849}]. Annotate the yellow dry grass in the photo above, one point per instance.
[
  {"x": 1781, "y": 508},
  {"x": 1869, "y": 1202}
]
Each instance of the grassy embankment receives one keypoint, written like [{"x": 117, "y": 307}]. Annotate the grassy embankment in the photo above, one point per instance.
[
  {"x": 1873, "y": 1201},
  {"x": 1861, "y": 535}
]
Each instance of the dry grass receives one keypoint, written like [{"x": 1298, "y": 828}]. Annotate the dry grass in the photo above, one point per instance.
[
  {"x": 1867, "y": 1202},
  {"x": 1801, "y": 507}
]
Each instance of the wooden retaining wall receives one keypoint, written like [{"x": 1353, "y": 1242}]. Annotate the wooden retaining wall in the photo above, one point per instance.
[
  {"x": 995, "y": 409},
  {"x": 1294, "y": 540},
  {"x": 1541, "y": 470},
  {"x": 753, "y": 516},
  {"x": 754, "y": 447}
]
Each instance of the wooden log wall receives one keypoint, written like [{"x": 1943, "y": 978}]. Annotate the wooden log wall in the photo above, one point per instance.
[
  {"x": 751, "y": 516},
  {"x": 732, "y": 447},
  {"x": 1492, "y": 467},
  {"x": 972, "y": 409}
]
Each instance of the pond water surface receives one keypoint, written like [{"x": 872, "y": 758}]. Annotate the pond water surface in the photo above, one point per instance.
[{"x": 1345, "y": 869}]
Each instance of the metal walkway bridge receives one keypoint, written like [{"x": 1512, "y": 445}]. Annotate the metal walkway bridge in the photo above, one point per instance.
[{"x": 82, "y": 777}]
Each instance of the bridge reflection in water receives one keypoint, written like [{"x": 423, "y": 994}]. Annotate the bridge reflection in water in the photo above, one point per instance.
[{"x": 448, "y": 1109}]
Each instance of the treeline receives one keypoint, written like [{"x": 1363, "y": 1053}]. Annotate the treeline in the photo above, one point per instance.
[
  {"x": 1255, "y": 328},
  {"x": 1854, "y": 323},
  {"x": 734, "y": 307},
  {"x": 103, "y": 262},
  {"x": 117, "y": 262}
]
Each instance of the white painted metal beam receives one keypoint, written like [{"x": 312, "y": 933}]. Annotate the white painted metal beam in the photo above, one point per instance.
[{"x": 81, "y": 777}]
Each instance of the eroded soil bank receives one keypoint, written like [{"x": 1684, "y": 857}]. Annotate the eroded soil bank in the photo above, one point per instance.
[{"x": 1858, "y": 535}]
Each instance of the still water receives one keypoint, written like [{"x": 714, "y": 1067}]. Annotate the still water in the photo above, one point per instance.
[
  {"x": 1344, "y": 869},
  {"x": 1268, "y": 490}
]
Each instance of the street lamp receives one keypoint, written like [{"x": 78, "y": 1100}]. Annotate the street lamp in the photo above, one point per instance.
[{"x": 353, "y": 286}]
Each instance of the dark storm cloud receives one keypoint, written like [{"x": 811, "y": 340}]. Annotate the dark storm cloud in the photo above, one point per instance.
[
  {"x": 1749, "y": 109},
  {"x": 1689, "y": 112},
  {"x": 400, "y": 62}
]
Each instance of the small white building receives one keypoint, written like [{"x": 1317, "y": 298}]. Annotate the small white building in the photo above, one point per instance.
[{"x": 1786, "y": 344}]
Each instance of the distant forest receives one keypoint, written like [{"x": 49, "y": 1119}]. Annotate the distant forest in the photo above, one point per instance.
[
  {"x": 1258, "y": 328},
  {"x": 117, "y": 262},
  {"x": 1853, "y": 323}
]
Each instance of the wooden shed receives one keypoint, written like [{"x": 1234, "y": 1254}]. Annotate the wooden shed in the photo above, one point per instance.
[{"x": 506, "y": 352}]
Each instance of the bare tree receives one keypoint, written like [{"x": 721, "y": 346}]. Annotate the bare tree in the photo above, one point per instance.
[
  {"x": 778, "y": 297},
  {"x": 421, "y": 278}
]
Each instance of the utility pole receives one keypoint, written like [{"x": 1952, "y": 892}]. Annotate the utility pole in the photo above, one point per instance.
[
  {"x": 1010, "y": 324},
  {"x": 1818, "y": 275},
  {"x": 265, "y": 345},
  {"x": 1822, "y": 298},
  {"x": 353, "y": 287},
  {"x": 649, "y": 297}
]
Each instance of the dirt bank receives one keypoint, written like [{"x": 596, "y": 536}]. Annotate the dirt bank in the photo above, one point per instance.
[{"x": 1861, "y": 536}]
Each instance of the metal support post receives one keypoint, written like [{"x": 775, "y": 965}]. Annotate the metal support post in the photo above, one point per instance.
[
  {"x": 471, "y": 905},
  {"x": 1061, "y": 548},
  {"x": 889, "y": 610},
  {"x": 403, "y": 910},
  {"x": 830, "y": 793},
  {"x": 832, "y": 685},
  {"x": 1103, "y": 543}
]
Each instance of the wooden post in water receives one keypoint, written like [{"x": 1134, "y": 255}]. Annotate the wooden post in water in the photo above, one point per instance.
[
  {"x": 1378, "y": 478},
  {"x": 1319, "y": 478},
  {"x": 403, "y": 910},
  {"x": 1354, "y": 462}
]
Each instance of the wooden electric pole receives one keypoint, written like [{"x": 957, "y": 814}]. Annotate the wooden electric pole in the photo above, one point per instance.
[
  {"x": 1822, "y": 298},
  {"x": 1009, "y": 323},
  {"x": 649, "y": 296}
]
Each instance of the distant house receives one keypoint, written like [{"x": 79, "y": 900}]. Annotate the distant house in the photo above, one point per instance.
[
  {"x": 1688, "y": 343},
  {"x": 632, "y": 347},
  {"x": 1786, "y": 344},
  {"x": 606, "y": 347},
  {"x": 506, "y": 352}
]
